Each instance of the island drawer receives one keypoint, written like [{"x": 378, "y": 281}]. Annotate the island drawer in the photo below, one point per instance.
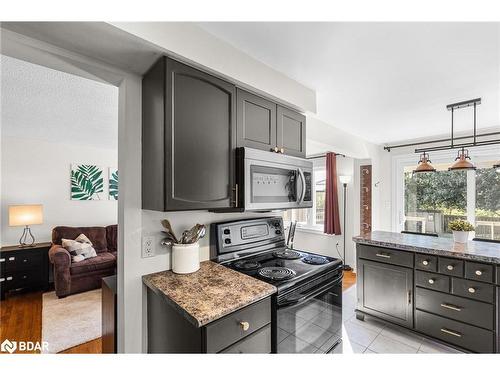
[
  {"x": 472, "y": 289},
  {"x": 466, "y": 336},
  {"x": 238, "y": 325},
  {"x": 458, "y": 308},
  {"x": 432, "y": 281},
  {"x": 385, "y": 255},
  {"x": 426, "y": 262},
  {"x": 257, "y": 343},
  {"x": 451, "y": 266},
  {"x": 479, "y": 271}
]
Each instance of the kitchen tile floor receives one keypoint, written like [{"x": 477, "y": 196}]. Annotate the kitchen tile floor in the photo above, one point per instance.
[{"x": 374, "y": 337}]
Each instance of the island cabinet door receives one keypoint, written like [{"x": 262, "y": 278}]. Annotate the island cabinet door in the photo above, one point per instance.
[{"x": 385, "y": 291}]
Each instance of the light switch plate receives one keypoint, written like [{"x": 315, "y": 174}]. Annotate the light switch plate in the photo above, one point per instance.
[{"x": 148, "y": 246}]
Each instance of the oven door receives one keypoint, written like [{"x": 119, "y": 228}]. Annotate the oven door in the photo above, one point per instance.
[
  {"x": 270, "y": 185},
  {"x": 309, "y": 320}
]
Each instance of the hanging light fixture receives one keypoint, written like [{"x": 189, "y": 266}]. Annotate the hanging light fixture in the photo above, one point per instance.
[
  {"x": 462, "y": 161},
  {"x": 424, "y": 164}
]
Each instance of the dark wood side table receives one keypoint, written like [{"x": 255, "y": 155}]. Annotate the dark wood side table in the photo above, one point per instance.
[
  {"x": 109, "y": 329},
  {"x": 24, "y": 267}
]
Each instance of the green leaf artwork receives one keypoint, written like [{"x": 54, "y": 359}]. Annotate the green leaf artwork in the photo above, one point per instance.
[
  {"x": 113, "y": 184},
  {"x": 86, "y": 182}
]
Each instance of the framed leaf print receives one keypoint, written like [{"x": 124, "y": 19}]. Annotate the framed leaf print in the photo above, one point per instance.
[
  {"x": 113, "y": 184},
  {"x": 87, "y": 182}
]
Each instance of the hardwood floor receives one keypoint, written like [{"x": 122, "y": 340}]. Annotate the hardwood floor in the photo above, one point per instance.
[
  {"x": 21, "y": 320},
  {"x": 348, "y": 280}
]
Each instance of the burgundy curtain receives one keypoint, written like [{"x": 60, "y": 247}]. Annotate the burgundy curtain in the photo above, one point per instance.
[{"x": 332, "y": 220}]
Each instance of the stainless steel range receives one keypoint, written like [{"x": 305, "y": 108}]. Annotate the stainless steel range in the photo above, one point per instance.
[{"x": 307, "y": 309}]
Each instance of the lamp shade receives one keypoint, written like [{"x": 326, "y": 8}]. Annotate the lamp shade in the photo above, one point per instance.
[
  {"x": 27, "y": 214},
  {"x": 345, "y": 179},
  {"x": 462, "y": 161}
]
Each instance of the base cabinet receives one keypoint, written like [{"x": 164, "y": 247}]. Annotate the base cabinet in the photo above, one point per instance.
[
  {"x": 385, "y": 291},
  {"x": 445, "y": 301}
]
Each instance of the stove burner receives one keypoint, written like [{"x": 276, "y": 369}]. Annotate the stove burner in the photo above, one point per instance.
[
  {"x": 247, "y": 265},
  {"x": 287, "y": 254},
  {"x": 314, "y": 259},
  {"x": 277, "y": 273}
]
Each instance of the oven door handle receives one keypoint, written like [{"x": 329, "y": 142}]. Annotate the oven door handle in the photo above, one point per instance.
[
  {"x": 310, "y": 295},
  {"x": 303, "y": 192}
]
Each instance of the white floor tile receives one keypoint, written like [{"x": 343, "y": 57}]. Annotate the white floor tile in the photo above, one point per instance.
[
  {"x": 429, "y": 346},
  {"x": 369, "y": 323},
  {"x": 402, "y": 335},
  {"x": 354, "y": 333},
  {"x": 386, "y": 345}
]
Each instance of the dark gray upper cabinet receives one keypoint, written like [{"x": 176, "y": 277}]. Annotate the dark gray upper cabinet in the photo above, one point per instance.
[
  {"x": 291, "y": 132},
  {"x": 385, "y": 291},
  {"x": 267, "y": 126},
  {"x": 189, "y": 136},
  {"x": 256, "y": 121}
]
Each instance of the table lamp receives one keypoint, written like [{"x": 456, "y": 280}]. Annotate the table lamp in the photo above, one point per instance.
[{"x": 26, "y": 215}]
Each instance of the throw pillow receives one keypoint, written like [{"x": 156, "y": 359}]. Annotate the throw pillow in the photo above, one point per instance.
[{"x": 80, "y": 248}]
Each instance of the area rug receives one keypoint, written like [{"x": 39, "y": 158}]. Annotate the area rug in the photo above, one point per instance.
[{"x": 70, "y": 321}]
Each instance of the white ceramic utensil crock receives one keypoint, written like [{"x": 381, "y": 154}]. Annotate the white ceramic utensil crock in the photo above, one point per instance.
[
  {"x": 460, "y": 236},
  {"x": 185, "y": 258}
]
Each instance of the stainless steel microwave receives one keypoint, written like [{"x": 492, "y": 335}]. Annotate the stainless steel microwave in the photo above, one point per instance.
[{"x": 269, "y": 181}]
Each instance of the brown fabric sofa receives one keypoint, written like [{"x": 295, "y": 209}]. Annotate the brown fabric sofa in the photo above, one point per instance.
[{"x": 71, "y": 278}]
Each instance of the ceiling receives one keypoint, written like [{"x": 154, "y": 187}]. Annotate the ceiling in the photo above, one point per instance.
[
  {"x": 384, "y": 82},
  {"x": 46, "y": 104}
]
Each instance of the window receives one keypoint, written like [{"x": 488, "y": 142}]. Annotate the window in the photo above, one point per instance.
[
  {"x": 432, "y": 200},
  {"x": 312, "y": 218}
]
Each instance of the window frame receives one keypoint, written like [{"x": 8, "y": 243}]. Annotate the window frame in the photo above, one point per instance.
[{"x": 399, "y": 162}]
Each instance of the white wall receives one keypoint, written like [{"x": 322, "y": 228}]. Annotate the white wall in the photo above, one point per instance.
[{"x": 36, "y": 171}]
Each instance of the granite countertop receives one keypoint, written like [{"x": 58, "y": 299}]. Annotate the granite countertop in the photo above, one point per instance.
[
  {"x": 208, "y": 294},
  {"x": 472, "y": 250}
]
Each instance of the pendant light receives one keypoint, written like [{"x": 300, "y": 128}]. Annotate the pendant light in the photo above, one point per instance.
[
  {"x": 462, "y": 161},
  {"x": 424, "y": 164}
]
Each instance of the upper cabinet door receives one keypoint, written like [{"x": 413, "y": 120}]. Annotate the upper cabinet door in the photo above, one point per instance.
[
  {"x": 256, "y": 121},
  {"x": 200, "y": 137},
  {"x": 291, "y": 132}
]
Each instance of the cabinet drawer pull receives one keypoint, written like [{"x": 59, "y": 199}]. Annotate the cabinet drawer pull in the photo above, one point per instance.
[
  {"x": 282, "y": 150},
  {"x": 425, "y": 263},
  {"x": 245, "y": 325},
  {"x": 12, "y": 258},
  {"x": 479, "y": 273},
  {"x": 452, "y": 333},
  {"x": 275, "y": 149},
  {"x": 9, "y": 278},
  {"x": 383, "y": 255},
  {"x": 25, "y": 260},
  {"x": 2, "y": 280},
  {"x": 409, "y": 297},
  {"x": 471, "y": 290},
  {"x": 451, "y": 307},
  {"x": 25, "y": 277},
  {"x": 431, "y": 281},
  {"x": 2, "y": 260},
  {"x": 450, "y": 267}
]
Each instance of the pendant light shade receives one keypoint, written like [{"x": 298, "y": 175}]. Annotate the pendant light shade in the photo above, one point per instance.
[
  {"x": 424, "y": 164},
  {"x": 462, "y": 161}
]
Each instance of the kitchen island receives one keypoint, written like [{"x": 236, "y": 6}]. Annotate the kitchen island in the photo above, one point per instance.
[
  {"x": 438, "y": 288},
  {"x": 212, "y": 310}
]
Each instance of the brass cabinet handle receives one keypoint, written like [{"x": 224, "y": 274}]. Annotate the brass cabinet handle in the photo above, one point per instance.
[
  {"x": 452, "y": 333},
  {"x": 451, "y": 307},
  {"x": 431, "y": 281},
  {"x": 245, "y": 325},
  {"x": 383, "y": 255},
  {"x": 471, "y": 290},
  {"x": 450, "y": 267},
  {"x": 425, "y": 263},
  {"x": 479, "y": 273}
]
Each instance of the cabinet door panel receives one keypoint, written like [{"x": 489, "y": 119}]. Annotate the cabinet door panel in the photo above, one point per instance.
[
  {"x": 256, "y": 121},
  {"x": 291, "y": 132},
  {"x": 384, "y": 290},
  {"x": 199, "y": 139}
]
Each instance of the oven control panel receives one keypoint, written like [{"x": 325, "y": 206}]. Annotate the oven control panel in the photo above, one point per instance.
[{"x": 234, "y": 236}]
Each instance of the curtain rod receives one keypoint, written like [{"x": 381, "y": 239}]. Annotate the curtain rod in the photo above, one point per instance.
[{"x": 323, "y": 155}]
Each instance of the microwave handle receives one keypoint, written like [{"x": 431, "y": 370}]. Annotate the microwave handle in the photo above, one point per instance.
[{"x": 303, "y": 179}]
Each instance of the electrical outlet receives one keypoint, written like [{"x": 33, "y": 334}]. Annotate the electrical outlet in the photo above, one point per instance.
[{"x": 148, "y": 246}]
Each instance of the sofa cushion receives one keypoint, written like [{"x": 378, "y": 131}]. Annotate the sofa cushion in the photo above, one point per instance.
[
  {"x": 101, "y": 261},
  {"x": 112, "y": 237},
  {"x": 95, "y": 234}
]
